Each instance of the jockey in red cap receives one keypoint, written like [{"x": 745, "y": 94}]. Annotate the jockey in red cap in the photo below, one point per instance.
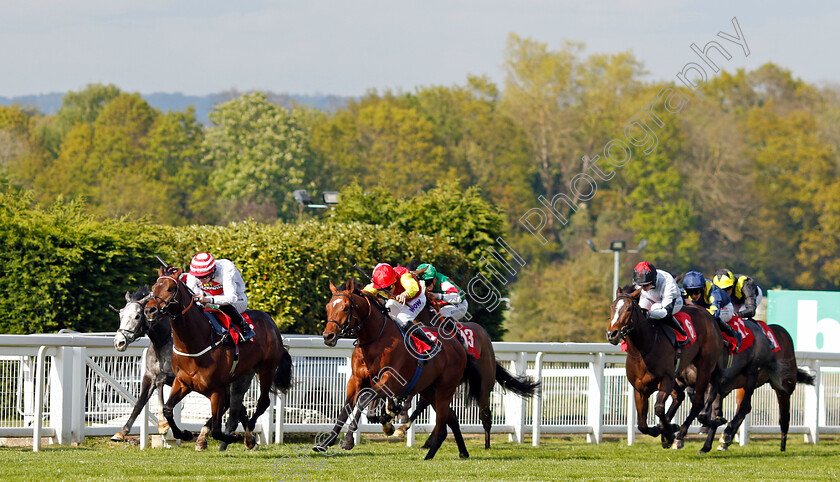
[{"x": 405, "y": 298}]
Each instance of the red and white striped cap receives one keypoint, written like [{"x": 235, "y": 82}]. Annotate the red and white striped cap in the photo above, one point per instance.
[{"x": 202, "y": 264}]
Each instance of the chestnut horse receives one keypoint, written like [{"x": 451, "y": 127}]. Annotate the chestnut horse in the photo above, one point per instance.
[
  {"x": 398, "y": 372},
  {"x": 202, "y": 363},
  {"x": 783, "y": 381},
  {"x": 651, "y": 365},
  {"x": 134, "y": 325}
]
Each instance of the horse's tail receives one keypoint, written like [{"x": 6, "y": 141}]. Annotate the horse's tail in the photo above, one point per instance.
[
  {"x": 472, "y": 378},
  {"x": 802, "y": 376},
  {"x": 283, "y": 375},
  {"x": 522, "y": 385}
]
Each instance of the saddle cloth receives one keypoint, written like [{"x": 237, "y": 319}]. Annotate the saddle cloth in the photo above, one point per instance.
[
  {"x": 466, "y": 334},
  {"x": 224, "y": 320}
]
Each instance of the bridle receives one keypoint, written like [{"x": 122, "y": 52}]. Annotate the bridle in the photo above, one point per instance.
[
  {"x": 171, "y": 301},
  {"x": 165, "y": 310},
  {"x": 628, "y": 327},
  {"x": 346, "y": 330},
  {"x": 142, "y": 328}
]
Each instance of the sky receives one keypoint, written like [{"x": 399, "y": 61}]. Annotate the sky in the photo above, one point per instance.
[{"x": 349, "y": 47}]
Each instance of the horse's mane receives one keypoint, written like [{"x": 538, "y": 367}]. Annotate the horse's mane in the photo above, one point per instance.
[{"x": 141, "y": 293}]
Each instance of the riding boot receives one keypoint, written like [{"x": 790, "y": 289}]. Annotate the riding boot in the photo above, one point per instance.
[
  {"x": 421, "y": 335},
  {"x": 727, "y": 330},
  {"x": 236, "y": 318},
  {"x": 672, "y": 322}
]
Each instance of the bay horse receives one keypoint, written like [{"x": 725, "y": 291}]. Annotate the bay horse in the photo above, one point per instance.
[
  {"x": 134, "y": 325},
  {"x": 204, "y": 365},
  {"x": 486, "y": 364},
  {"x": 492, "y": 372},
  {"x": 783, "y": 381},
  {"x": 651, "y": 365},
  {"x": 393, "y": 370}
]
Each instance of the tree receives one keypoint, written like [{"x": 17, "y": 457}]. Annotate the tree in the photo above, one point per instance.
[
  {"x": 84, "y": 106},
  {"x": 258, "y": 153}
]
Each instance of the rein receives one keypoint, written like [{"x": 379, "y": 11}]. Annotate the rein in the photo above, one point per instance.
[{"x": 173, "y": 300}]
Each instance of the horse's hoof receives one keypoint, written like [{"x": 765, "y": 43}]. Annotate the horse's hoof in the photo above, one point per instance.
[
  {"x": 702, "y": 451},
  {"x": 200, "y": 445},
  {"x": 722, "y": 447},
  {"x": 223, "y": 446},
  {"x": 400, "y": 433},
  {"x": 348, "y": 444},
  {"x": 118, "y": 437},
  {"x": 319, "y": 448},
  {"x": 250, "y": 441},
  {"x": 163, "y": 427},
  {"x": 463, "y": 455},
  {"x": 678, "y": 444},
  {"x": 186, "y": 436},
  {"x": 388, "y": 429}
]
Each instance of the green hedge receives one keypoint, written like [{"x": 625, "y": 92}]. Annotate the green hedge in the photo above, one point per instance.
[
  {"x": 60, "y": 268},
  {"x": 288, "y": 268}
]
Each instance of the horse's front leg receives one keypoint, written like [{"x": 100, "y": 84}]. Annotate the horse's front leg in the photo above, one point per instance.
[
  {"x": 146, "y": 389},
  {"x": 422, "y": 404},
  {"x": 322, "y": 444},
  {"x": 179, "y": 391},
  {"x": 217, "y": 408},
  {"x": 666, "y": 387},
  {"x": 642, "y": 413},
  {"x": 744, "y": 407}
]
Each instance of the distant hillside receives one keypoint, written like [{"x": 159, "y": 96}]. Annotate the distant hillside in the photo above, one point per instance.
[{"x": 50, "y": 103}]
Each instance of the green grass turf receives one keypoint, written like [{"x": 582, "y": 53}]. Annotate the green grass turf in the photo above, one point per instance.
[{"x": 558, "y": 458}]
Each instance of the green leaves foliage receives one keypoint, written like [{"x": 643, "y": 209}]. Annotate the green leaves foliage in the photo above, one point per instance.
[
  {"x": 61, "y": 267},
  {"x": 258, "y": 153}
]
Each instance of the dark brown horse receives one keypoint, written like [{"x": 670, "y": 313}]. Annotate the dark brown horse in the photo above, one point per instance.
[
  {"x": 491, "y": 372},
  {"x": 202, "y": 363},
  {"x": 783, "y": 380},
  {"x": 134, "y": 325},
  {"x": 393, "y": 369},
  {"x": 651, "y": 365}
]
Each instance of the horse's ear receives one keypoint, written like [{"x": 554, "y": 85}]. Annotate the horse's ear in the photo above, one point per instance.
[
  {"x": 127, "y": 296},
  {"x": 333, "y": 288},
  {"x": 636, "y": 294},
  {"x": 161, "y": 271},
  {"x": 348, "y": 286},
  {"x": 618, "y": 292}
]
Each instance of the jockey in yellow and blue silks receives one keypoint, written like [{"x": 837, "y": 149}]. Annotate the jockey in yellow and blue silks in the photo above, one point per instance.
[
  {"x": 742, "y": 290},
  {"x": 704, "y": 293}
]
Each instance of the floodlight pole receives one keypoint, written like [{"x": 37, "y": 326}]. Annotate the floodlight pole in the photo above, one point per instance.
[{"x": 616, "y": 247}]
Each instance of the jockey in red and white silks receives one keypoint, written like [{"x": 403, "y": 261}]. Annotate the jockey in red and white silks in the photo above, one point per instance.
[
  {"x": 224, "y": 287},
  {"x": 219, "y": 282}
]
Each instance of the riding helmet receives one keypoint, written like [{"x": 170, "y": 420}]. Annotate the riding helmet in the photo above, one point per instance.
[
  {"x": 202, "y": 265},
  {"x": 693, "y": 280},
  {"x": 644, "y": 274},
  {"x": 430, "y": 272},
  {"x": 383, "y": 276},
  {"x": 724, "y": 279}
]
